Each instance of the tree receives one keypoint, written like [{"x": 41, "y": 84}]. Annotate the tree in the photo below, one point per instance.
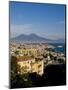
[
  {"x": 14, "y": 69},
  {"x": 14, "y": 66},
  {"x": 51, "y": 56},
  {"x": 17, "y": 52}
]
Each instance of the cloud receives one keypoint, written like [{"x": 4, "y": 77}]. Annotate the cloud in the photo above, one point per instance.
[
  {"x": 56, "y": 36},
  {"x": 60, "y": 22},
  {"x": 43, "y": 31},
  {"x": 53, "y": 36},
  {"x": 16, "y": 30}
]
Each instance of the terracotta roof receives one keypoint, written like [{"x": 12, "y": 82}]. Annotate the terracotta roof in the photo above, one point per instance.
[{"x": 24, "y": 58}]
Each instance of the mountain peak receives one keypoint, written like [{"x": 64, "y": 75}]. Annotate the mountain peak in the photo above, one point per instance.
[
  {"x": 34, "y": 38},
  {"x": 29, "y": 38},
  {"x": 32, "y": 34}
]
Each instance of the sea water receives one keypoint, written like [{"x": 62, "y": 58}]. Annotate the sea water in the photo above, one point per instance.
[{"x": 59, "y": 47}]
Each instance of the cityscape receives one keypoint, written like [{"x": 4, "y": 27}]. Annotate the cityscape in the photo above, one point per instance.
[{"x": 37, "y": 54}]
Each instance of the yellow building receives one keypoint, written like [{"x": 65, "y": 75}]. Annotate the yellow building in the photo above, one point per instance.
[
  {"x": 28, "y": 52},
  {"x": 30, "y": 65}
]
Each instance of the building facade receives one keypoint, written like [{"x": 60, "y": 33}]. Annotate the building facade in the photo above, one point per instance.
[
  {"x": 28, "y": 52},
  {"x": 30, "y": 65}
]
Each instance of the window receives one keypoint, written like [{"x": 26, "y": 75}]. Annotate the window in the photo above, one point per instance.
[
  {"x": 28, "y": 61},
  {"x": 39, "y": 66}
]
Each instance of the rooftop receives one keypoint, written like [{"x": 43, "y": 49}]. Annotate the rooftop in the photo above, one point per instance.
[{"x": 24, "y": 58}]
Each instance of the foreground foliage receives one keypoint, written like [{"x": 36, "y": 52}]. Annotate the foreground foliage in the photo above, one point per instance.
[{"x": 53, "y": 75}]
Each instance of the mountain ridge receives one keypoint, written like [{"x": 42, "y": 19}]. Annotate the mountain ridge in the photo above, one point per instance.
[{"x": 34, "y": 38}]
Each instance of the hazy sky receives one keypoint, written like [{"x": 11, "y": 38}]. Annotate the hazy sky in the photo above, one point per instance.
[{"x": 46, "y": 20}]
